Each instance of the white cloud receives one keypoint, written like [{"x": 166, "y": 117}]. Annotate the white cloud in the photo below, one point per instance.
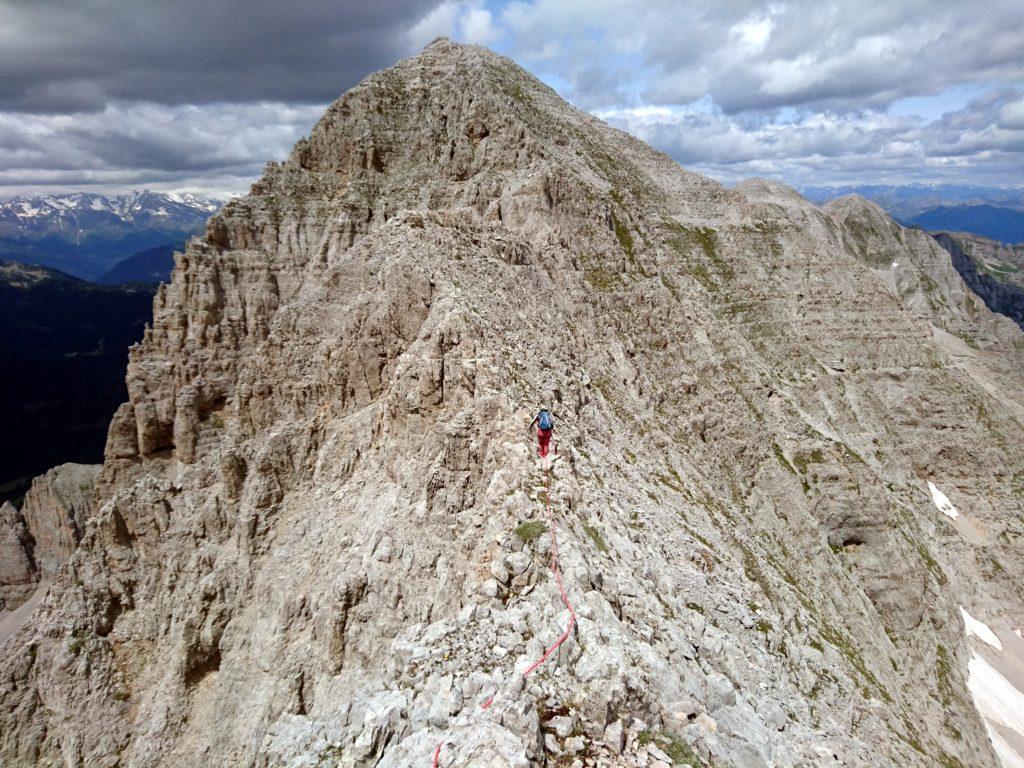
[
  {"x": 440, "y": 22},
  {"x": 477, "y": 26},
  {"x": 1012, "y": 114},
  {"x": 465, "y": 20},
  {"x": 752, "y": 34},
  {"x": 812, "y": 91},
  {"x": 747, "y": 55}
]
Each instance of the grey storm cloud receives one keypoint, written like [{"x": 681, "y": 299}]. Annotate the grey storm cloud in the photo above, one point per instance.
[
  {"x": 217, "y": 147},
  {"x": 79, "y": 55}
]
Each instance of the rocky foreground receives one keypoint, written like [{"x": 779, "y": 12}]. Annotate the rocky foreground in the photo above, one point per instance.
[{"x": 788, "y": 481}]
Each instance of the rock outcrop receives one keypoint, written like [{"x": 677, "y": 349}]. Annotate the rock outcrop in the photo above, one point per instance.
[
  {"x": 18, "y": 575},
  {"x": 322, "y": 536},
  {"x": 40, "y": 537},
  {"x": 56, "y": 510},
  {"x": 995, "y": 280}
]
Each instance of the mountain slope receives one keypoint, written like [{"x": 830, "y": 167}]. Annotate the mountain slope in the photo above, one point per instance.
[
  {"x": 63, "y": 352},
  {"x": 322, "y": 534},
  {"x": 87, "y": 234},
  {"x": 150, "y": 266},
  {"x": 990, "y": 269}
]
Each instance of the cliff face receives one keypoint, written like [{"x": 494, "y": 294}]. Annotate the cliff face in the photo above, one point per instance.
[
  {"x": 321, "y": 536},
  {"x": 990, "y": 269},
  {"x": 38, "y": 539},
  {"x": 18, "y": 574}
]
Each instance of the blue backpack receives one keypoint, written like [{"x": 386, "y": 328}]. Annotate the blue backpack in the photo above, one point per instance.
[{"x": 544, "y": 420}]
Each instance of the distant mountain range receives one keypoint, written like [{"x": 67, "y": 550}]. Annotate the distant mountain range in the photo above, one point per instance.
[
  {"x": 1003, "y": 224},
  {"x": 63, "y": 352},
  {"x": 991, "y": 212},
  {"x": 86, "y": 235},
  {"x": 907, "y": 201}
]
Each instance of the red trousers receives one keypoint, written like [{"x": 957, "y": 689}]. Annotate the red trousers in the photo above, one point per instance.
[{"x": 543, "y": 438}]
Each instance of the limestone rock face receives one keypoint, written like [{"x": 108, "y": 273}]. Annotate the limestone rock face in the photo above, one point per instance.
[
  {"x": 40, "y": 537},
  {"x": 56, "y": 510},
  {"x": 18, "y": 574},
  {"x": 322, "y": 537},
  {"x": 990, "y": 269}
]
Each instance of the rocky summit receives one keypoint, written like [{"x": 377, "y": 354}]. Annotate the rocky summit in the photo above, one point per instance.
[{"x": 786, "y": 497}]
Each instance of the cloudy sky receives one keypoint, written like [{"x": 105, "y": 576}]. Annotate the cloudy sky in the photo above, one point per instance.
[{"x": 198, "y": 94}]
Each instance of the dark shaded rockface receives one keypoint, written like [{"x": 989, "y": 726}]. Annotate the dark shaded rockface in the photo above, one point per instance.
[
  {"x": 999, "y": 296},
  {"x": 63, "y": 354}
]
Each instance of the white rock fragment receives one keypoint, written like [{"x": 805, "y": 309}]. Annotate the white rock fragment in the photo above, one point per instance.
[
  {"x": 560, "y": 725},
  {"x": 615, "y": 736}
]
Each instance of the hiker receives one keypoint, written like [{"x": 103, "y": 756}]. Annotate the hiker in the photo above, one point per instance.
[{"x": 545, "y": 421}]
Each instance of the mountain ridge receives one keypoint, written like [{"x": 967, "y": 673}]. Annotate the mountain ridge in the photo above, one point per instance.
[
  {"x": 153, "y": 265},
  {"x": 61, "y": 209},
  {"x": 319, "y": 532},
  {"x": 86, "y": 234}
]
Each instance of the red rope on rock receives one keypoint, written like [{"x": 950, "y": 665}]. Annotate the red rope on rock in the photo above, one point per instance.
[{"x": 561, "y": 589}]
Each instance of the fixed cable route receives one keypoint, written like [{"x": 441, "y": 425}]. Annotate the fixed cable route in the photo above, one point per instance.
[{"x": 557, "y": 571}]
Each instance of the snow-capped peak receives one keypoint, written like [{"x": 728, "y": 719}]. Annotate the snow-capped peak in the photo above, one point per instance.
[{"x": 70, "y": 209}]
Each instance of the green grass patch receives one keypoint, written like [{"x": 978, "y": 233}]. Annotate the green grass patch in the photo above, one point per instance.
[
  {"x": 623, "y": 236},
  {"x": 781, "y": 457},
  {"x": 530, "y": 531},
  {"x": 805, "y": 458},
  {"x": 595, "y": 536},
  {"x": 678, "y": 750},
  {"x": 944, "y": 676},
  {"x": 853, "y": 656},
  {"x": 602, "y": 279},
  {"x": 934, "y": 568}
]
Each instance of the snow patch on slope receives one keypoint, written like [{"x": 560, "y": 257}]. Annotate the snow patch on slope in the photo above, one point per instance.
[
  {"x": 942, "y": 503},
  {"x": 980, "y": 630},
  {"x": 1000, "y": 704}
]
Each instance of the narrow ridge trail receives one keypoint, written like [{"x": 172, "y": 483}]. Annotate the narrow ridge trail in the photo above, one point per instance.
[{"x": 557, "y": 571}]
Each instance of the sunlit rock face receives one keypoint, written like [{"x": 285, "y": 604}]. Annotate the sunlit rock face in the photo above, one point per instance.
[{"x": 37, "y": 539}]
